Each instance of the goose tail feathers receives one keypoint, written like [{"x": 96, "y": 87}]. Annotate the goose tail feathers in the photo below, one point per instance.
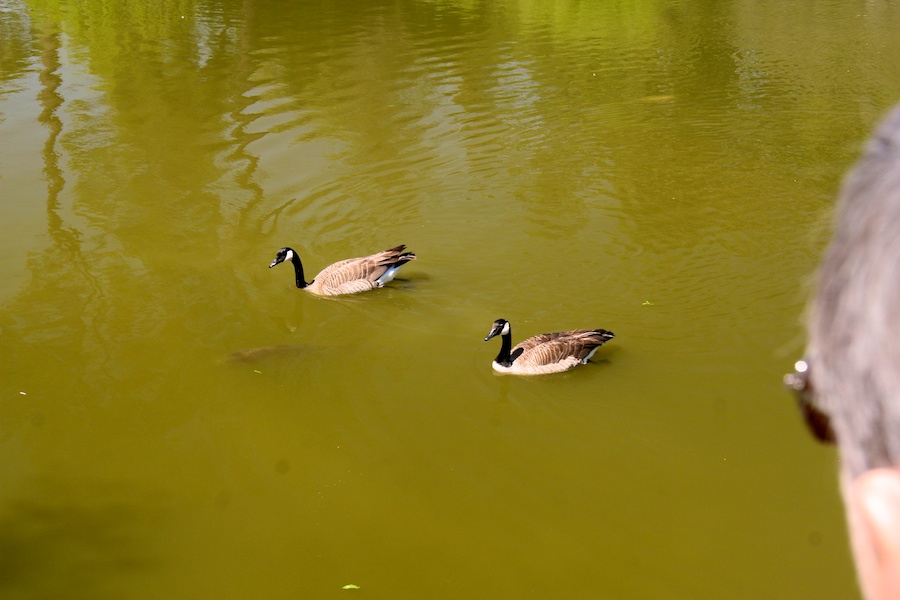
[{"x": 396, "y": 256}]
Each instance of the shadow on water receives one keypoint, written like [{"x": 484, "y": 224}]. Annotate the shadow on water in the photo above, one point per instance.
[
  {"x": 74, "y": 540},
  {"x": 267, "y": 353}
]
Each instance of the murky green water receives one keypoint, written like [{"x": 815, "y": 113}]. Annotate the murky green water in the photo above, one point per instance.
[{"x": 661, "y": 169}]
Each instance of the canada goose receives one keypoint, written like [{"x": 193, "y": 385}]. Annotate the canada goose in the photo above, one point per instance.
[
  {"x": 349, "y": 276},
  {"x": 548, "y": 352}
]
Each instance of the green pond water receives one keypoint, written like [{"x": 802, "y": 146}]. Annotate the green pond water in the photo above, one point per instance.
[{"x": 664, "y": 170}]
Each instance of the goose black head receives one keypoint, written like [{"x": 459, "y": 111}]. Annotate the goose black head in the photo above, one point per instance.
[
  {"x": 501, "y": 327},
  {"x": 283, "y": 255}
]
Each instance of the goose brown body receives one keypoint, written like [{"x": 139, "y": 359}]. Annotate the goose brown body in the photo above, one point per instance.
[
  {"x": 547, "y": 352},
  {"x": 349, "y": 276}
]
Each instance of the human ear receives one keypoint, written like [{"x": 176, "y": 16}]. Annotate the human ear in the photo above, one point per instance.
[{"x": 876, "y": 496}]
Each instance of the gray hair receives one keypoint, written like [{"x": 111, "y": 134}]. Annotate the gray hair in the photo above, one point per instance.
[{"x": 854, "y": 324}]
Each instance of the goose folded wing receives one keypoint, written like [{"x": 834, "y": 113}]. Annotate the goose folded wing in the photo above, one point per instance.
[
  {"x": 352, "y": 274},
  {"x": 550, "y": 348}
]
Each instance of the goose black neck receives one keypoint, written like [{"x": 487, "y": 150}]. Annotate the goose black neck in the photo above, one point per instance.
[
  {"x": 298, "y": 271},
  {"x": 505, "y": 347}
]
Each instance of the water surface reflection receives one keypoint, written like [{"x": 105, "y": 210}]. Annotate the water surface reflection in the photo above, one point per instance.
[{"x": 179, "y": 420}]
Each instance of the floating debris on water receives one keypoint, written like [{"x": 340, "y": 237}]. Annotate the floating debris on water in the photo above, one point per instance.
[{"x": 658, "y": 99}]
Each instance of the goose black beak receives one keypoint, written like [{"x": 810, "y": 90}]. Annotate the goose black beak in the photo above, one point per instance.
[
  {"x": 282, "y": 255},
  {"x": 495, "y": 331},
  {"x": 500, "y": 325},
  {"x": 279, "y": 258}
]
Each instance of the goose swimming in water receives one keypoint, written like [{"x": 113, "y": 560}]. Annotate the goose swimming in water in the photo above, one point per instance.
[
  {"x": 548, "y": 352},
  {"x": 349, "y": 276}
]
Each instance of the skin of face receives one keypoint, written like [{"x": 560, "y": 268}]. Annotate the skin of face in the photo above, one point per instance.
[{"x": 873, "y": 516}]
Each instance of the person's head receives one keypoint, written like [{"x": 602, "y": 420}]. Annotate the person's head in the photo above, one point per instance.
[{"x": 853, "y": 356}]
